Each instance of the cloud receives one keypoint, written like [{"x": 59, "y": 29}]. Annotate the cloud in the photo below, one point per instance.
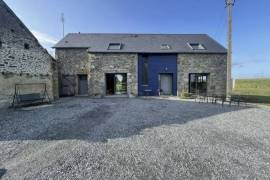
[{"x": 43, "y": 38}]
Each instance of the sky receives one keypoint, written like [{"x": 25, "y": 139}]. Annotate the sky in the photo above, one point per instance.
[{"x": 251, "y": 23}]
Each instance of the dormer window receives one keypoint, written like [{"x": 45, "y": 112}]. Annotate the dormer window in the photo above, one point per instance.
[
  {"x": 165, "y": 47},
  {"x": 196, "y": 46},
  {"x": 115, "y": 46}
]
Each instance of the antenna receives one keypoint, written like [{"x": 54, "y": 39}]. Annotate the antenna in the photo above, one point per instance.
[
  {"x": 63, "y": 23},
  {"x": 229, "y": 6}
]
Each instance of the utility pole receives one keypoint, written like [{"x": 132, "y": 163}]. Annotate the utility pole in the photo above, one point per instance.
[
  {"x": 63, "y": 23},
  {"x": 229, "y": 6}
]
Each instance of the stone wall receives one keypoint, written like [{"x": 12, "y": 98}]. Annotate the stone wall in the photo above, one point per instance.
[
  {"x": 8, "y": 81},
  {"x": 101, "y": 63},
  {"x": 22, "y": 58},
  {"x": 76, "y": 61},
  {"x": 71, "y": 62},
  {"x": 215, "y": 64}
]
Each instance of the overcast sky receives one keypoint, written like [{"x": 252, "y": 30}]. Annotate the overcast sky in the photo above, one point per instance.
[{"x": 251, "y": 23}]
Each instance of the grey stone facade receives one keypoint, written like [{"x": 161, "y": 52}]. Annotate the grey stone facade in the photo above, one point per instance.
[
  {"x": 74, "y": 62},
  {"x": 71, "y": 63},
  {"x": 22, "y": 58},
  {"x": 101, "y": 63},
  {"x": 78, "y": 61},
  {"x": 214, "y": 64}
]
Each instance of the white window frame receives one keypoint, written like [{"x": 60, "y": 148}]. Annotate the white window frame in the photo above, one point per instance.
[
  {"x": 118, "y": 45},
  {"x": 202, "y": 47},
  {"x": 165, "y": 47}
]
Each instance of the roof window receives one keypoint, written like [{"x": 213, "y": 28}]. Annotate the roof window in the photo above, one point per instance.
[
  {"x": 114, "y": 46},
  {"x": 196, "y": 46},
  {"x": 165, "y": 47}
]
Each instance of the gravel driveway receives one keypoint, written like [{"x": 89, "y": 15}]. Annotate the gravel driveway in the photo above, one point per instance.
[{"x": 83, "y": 138}]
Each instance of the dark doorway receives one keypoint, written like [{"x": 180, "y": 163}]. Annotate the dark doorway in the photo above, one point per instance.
[
  {"x": 109, "y": 84},
  {"x": 116, "y": 84},
  {"x": 83, "y": 85},
  {"x": 165, "y": 84}
]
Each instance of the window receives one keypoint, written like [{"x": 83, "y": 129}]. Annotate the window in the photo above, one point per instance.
[
  {"x": 145, "y": 70},
  {"x": 12, "y": 30},
  {"x": 114, "y": 46},
  {"x": 196, "y": 46},
  {"x": 165, "y": 47},
  {"x": 198, "y": 83},
  {"x": 26, "y": 46},
  {"x": 1, "y": 44}
]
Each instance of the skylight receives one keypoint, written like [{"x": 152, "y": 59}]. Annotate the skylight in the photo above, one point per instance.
[
  {"x": 165, "y": 47},
  {"x": 114, "y": 46},
  {"x": 196, "y": 46}
]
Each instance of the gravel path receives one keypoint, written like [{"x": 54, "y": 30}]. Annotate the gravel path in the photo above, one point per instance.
[{"x": 82, "y": 138}]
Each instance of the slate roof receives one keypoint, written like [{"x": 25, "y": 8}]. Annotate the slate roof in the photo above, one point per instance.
[{"x": 140, "y": 43}]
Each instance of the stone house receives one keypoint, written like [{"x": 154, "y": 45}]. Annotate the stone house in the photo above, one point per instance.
[
  {"x": 22, "y": 59},
  {"x": 140, "y": 64}
]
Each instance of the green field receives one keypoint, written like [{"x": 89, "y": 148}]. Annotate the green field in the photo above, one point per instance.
[{"x": 253, "y": 90}]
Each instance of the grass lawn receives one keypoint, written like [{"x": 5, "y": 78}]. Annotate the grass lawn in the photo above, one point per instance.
[{"x": 253, "y": 90}]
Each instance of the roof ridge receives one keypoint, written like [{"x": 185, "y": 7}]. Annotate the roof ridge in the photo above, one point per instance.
[{"x": 138, "y": 33}]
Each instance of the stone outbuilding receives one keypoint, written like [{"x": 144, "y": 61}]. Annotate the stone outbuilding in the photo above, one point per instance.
[
  {"x": 22, "y": 59},
  {"x": 140, "y": 64}
]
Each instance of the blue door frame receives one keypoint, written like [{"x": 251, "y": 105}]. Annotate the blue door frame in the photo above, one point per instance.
[{"x": 157, "y": 64}]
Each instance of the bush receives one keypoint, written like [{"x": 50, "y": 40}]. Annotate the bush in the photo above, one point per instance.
[{"x": 185, "y": 95}]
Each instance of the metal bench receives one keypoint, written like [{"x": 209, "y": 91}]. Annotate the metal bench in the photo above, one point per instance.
[
  {"x": 236, "y": 99},
  {"x": 30, "y": 97},
  {"x": 231, "y": 100},
  {"x": 38, "y": 95}
]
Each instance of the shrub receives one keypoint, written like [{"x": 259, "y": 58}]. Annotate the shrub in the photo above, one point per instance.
[{"x": 185, "y": 95}]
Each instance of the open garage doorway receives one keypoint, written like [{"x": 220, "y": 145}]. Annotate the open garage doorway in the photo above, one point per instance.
[{"x": 116, "y": 83}]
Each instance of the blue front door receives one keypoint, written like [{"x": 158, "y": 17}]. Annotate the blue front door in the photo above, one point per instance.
[{"x": 150, "y": 67}]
